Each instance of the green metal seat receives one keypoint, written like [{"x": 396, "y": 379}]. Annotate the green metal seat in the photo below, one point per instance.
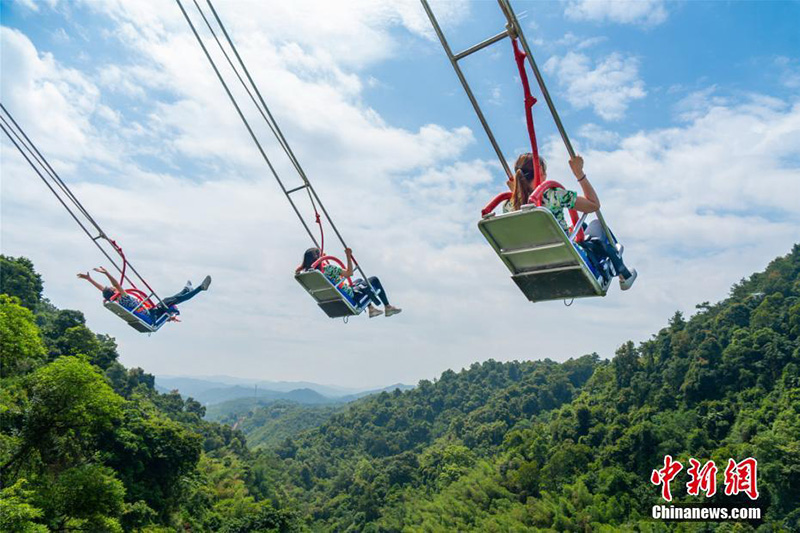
[
  {"x": 134, "y": 321},
  {"x": 328, "y": 297},
  {"x": 543, "y": 260}
]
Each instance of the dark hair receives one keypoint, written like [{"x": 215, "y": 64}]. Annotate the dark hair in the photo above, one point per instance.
[
  {"x": 108, "y": 293},
  {"x": 523, "y": 178},
  {"x": 310, "y": 255}
]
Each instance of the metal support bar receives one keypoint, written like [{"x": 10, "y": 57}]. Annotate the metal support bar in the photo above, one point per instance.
[
  {"x": 300, "y": 188},
  {"x": 578, "y": 227},
  {"x": 546, "y": 270},
  {"x": 466, "y": 86},
  {"x": 540, "y": 247},
  {"x": 481, "y": 45},
  {"x": 268, "y": 118},
  {"x": 244, "y": 120},
  {"x": 505, "y": 6}
]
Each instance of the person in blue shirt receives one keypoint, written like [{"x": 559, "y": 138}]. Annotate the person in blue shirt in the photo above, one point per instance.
[
  {"x": 133, "y": 304},
  {"x": 358, "y": 290}
]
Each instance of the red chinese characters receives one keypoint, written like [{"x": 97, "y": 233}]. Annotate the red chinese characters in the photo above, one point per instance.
[
  {"x": 741, "y": 477},
  {"x": 665, "y": 475},
  {"x": 704, "y": 478}
]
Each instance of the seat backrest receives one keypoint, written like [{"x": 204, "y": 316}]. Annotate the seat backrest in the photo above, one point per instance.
[
  {"x": 528, "y": 239},
  {"x": 135, "y": 321},
  {"x": 544, "y": 263},
  {"x": 330, "y": 299}
]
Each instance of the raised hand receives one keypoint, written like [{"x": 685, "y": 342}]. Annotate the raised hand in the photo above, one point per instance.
[
  {"x": 81, "y": 275},
  {"x": 101, "y": 270},
  {"x": 576, "y": 164}
]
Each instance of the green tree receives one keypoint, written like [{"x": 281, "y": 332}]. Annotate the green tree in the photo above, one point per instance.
[
  {"x": 70, "y": 407},
  {"x": 21, "y": 346},
  {"x": 18, "y": 278},
  {"x": 86, "y": 497},
  {"x": 17, "y": 514}
]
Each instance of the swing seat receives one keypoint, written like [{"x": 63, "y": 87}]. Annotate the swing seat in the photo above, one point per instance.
[
  {"x": 135, "y": 321},
  {"x": 330, "y": 299},
  {"x": 544, "y": 262}
]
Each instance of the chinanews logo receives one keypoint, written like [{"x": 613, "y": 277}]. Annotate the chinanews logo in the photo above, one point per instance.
[{"x": 739, "y": 478}]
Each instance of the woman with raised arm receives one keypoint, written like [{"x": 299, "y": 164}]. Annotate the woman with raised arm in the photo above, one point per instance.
[
  {"x": 132, "y": 304},
  {"x": 359, "y": 289},
  {"x": 556, "y": 200}
]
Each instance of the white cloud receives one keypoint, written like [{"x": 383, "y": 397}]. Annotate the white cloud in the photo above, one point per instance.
[
  {"x": 639, "y": 12},
  {"x": 495, "y": 95},
  {"x": 29, "y": 4},
  {"x": 698, "y": 206},
  {"x": 607, "y": 86},
  {"x": 571, "y": 40},
  {"x": 789, "y": 71},
  {"x": 699, "y": 103},
  {"x": 598, "y": 136}
]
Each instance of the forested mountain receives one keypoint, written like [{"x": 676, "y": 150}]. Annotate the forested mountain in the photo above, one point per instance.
[
  {"x": 534, "y": 445},
  {"x": 88, "y": 445},
  {"x": 269, "y": 423},
  {"x": 570, "y": 447}
]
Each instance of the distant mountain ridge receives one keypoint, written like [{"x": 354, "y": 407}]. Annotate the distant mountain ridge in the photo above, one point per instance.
[
  {"x": 215, "y": 391},
  {"x": 279, "y": 386}
]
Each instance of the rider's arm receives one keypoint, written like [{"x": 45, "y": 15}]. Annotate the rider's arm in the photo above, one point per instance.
[
  {"x": 88, "y": 278},
  {"x": 589, "y": 202},
  {"x": 349, "y": 270},
  {"x": 114, "y": 282}
]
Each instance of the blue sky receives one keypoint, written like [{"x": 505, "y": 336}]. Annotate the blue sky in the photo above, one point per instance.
[{"x": 687, "y": 114}]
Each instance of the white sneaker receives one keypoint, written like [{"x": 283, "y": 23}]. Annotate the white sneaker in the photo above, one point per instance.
[
  {"x": 620, "y": 248},
  {"x": 374, "y": 311},
  {"x": 626, "y": 284},
  {"x": 393, "y": 311}
]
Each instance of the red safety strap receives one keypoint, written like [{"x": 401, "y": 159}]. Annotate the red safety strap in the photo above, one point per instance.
[
  {"x": 324, "y": 259},
  {"x": 491, "y": 206},
  {"x": 321, "y": 232},
  {"x": 118, "y": 249},
  {"x": 141, "y": 296},
  {"x": 519, "y": 56}
]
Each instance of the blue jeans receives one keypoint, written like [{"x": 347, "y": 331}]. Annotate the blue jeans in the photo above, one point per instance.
[
  {"x": 185, "y": 294},
  {"x": 377, "y": 295},
  {"x": 597, "y": 246},
  {"x": 171, "y": 301}
]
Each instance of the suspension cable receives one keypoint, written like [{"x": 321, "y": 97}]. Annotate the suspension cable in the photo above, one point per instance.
[
  {"x": 246, "y": 123},
  {"x": 266, "y": 114},
  {"x": 39, "y": 163}
]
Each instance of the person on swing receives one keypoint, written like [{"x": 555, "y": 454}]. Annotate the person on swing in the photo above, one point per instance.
[
  {"x": 151, "y": 316},
  {"x": 360, "y": 288},
  {"x": 556, "y": 200}
]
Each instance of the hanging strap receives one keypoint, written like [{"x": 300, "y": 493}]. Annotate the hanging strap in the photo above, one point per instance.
[
  {"x": 520, "y": 56},
  {"x": 118, "y": 249},
  {"x": 318, "y": 220}
]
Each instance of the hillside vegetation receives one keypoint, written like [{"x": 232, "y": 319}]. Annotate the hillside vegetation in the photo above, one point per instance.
[
  {"x": 88, "y": 445},
  {"x": 570, "y": 447},
  {"x": 521, "y": 446}
]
